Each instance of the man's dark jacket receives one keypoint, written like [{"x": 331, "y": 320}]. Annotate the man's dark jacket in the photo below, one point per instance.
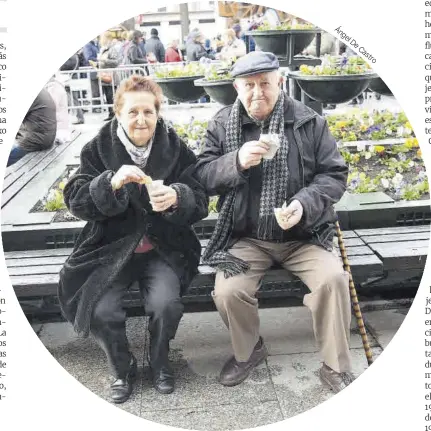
[
  {"x": 118, "y": 220},
  {"x": 317, "y": 173},
  {"x": 155, "y": 46},
  {"x": 39, "y": 126}
]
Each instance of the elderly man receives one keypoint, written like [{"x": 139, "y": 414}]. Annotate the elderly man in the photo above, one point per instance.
[{"x": 309, "y": 174}]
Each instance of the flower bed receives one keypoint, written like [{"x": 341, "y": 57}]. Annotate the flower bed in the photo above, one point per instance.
[
  {"x": 53, "y": 201},
  {"x": 265, "y": 26},
  {"x": 188, "y": 70},
  {"x": 337, "y": 65},
  {"x": 192, "y": 134},
  {"x": 396, "y": 169},
  {"x": 363, "y": 126}
]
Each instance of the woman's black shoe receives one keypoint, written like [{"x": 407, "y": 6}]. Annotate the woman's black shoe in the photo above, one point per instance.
[{"x": 122, "y": 388}]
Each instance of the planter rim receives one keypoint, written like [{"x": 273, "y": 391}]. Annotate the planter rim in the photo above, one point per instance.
[
  {"x": 178, "y": 79},
  {"x": 204, "y": 83},
  {"x": 357, "y": 77},
  {"x": 281, "y": 32}
]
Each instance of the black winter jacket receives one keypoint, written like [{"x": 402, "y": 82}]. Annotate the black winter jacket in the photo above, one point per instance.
[
  {"x": 118, "y": 220},
  {"x": 39, "y": 126},
  {"x": 317, "y": 172},
  {"x": 155, "y": 45}
]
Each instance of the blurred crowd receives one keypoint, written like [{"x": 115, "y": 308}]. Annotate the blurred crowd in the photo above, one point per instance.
[{"x": 136, "y": 48}]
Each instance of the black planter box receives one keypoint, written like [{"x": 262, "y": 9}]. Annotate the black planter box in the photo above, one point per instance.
[
  {"x": 181, "y": 89},
  {"x": 283, "y": 43},
  {"x": 333, "y": 88},
  {"x": 379, "y": 86},
  {"x": 221, "y": 91}
]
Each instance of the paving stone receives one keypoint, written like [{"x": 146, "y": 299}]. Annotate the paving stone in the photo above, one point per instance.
[
  {"x": 195, "y": 390},
  {"x": 297, "y": 382},
  {"x": 290, "y": 330},
  {"x": 223, "y": 418},
  {"x": 86, "y": 362},
  {"x": 37, "y": 327},
  {"x": 384, "y": 324}
]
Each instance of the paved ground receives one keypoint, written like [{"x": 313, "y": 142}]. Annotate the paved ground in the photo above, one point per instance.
[{"x": 284, "y": 386}]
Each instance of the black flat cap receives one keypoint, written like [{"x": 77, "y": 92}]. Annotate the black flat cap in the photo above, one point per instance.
[{"x": 255, "y": 62}]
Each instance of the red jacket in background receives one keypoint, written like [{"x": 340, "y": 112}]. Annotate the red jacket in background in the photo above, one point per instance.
[{"x": 172, "y": 55}]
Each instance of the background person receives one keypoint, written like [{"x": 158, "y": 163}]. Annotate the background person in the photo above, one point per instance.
[
  {"x": 155, "y": 46},
  {"x": 38, "y": 128},
  {"x": 173, "y": 53}
]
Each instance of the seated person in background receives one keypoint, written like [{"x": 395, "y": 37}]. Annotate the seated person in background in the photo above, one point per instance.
[
  {"x": 58, "y": 93},
  {"x": 38, "y": 129}
]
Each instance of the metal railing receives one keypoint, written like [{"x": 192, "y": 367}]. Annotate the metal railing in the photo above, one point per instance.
[{"x": 90, "y": 88}]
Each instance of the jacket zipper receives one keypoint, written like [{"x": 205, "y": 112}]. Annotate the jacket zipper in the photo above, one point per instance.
[
  {"x": 299, "y": 142},
  {"x": 301, "y": 153}
]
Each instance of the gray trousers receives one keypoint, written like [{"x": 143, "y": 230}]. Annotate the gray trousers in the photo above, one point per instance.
[{"x": 328, "y": 300}]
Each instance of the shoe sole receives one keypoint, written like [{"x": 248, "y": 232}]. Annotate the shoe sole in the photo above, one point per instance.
[
  {"x": 237, "y": 382},
  {"x": 326, "y": 383},
  {"x": 164, "y": 392}
]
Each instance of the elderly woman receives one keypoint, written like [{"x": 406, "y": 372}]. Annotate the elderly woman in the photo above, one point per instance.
[
  {"x": 233, "y": 47},
  {"x": 135, "y": 232}
]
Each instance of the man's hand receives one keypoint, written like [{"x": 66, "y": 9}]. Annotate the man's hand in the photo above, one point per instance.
[
  {"x": 128, "y": 174},
  {"x": 163, "y": 198},
  {"x": 287, "y": 217},
  {"x": 250, "y": 154}
]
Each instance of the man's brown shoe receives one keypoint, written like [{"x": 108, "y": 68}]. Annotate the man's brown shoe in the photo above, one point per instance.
[
  {"x": 234, "y": 372},
  {"x": 335, "y": 381}
]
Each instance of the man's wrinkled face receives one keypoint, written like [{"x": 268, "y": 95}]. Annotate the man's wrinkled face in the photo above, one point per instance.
[{"x": 259, "y": 93}]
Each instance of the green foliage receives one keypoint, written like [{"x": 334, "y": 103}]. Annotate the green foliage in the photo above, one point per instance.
[
  {"x": 337, "y": 65},
  {"x": 285, "y": 26},
  {"x": 192, "y": 134},
  {"x": 55, "y": 201},
  {"x": 191, "y": 69},
  {"x": 361, "y": 126},
  {"x": 415, "y": 191},
  {"x": 212, "y": 207}
]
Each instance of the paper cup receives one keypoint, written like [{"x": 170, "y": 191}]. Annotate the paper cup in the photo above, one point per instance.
[
  {"x": 154, "y": 185},
  {"x": 273, "y": 141}
]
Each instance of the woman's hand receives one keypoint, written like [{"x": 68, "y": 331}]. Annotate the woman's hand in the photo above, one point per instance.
[
  {"x": 163, "y": 198},
  {"x": 128, "y": 174}
]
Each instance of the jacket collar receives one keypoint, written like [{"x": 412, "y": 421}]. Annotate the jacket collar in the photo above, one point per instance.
[
  {"x": 161, "y": 161},
  {"x": 294, "y": 113}
]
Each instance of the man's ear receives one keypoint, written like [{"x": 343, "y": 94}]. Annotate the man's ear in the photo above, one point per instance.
[
  {"x": 280, "y": 80},
  {"x": 235, "y": 85}
]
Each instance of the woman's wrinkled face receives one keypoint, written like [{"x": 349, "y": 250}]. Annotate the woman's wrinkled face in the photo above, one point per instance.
[{"x": 138, "y": 116}]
